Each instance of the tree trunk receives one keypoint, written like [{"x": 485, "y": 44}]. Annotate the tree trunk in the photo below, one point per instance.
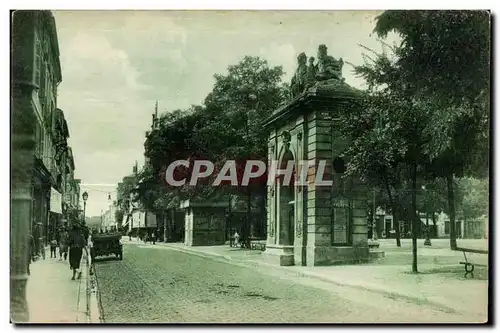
[
  {"x": 435, "y": 235},
  {"x": 394, "y": 214},
  {"x": 451, "y": 211},
  {"x": 415, "y": 217},
  {"x": 248, "y": 221},
  {"x": 263, "y": 214}
]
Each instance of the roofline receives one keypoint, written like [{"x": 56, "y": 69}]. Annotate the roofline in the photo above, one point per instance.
[{"x": 54, "y": 43}]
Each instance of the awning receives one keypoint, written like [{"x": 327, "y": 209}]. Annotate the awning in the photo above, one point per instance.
[{"x": 55, "y": 201}]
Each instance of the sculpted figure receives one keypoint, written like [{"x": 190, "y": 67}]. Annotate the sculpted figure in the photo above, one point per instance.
[
  {"x": 299, "y": 79},
  {"x": 312, "y": 70},
  {"x": 328, "y": 67}
]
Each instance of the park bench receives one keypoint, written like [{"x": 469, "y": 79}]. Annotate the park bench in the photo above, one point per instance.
[
  {"x": 256, "y": 244},
  {"x": 468, "y": 265}
]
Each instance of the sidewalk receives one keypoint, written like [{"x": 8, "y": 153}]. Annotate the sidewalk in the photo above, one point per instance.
[
  {"x": 440, "y": 282},
  {"x": 53, "y": 297}
]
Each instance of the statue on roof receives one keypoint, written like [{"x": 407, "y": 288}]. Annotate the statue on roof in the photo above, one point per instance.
[
  {"x": 298, "y": 83},
  {"x": 328, "y": 67},
  {"x": 312, "y": 70}
]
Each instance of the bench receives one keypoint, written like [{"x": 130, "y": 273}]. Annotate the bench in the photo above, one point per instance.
[
  {"x": 254, "y": 245},
  {"x": 258, "y": 246},
  {"x": 469, "y": 266}
]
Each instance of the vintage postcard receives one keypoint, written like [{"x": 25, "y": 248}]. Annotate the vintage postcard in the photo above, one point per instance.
[{"x": 250, "y": 166}]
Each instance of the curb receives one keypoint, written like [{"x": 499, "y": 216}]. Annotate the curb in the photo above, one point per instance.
[
  {"x": 254, "y": 264},
  {"x": 92, "y": 309},
  {"x": 95, "y": 311}
]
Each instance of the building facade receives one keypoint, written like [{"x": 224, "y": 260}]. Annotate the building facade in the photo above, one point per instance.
[
  {"x": 439, "y": 226},
  {"x": 310, "y": 223},
  {"x": 36, "y": 74},
  {"x": 37, "y": 69}
]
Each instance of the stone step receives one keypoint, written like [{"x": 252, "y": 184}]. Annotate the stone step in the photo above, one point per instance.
[{"x": 376, "y": 254}]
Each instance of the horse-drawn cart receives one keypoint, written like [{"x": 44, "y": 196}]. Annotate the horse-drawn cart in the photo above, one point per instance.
[{"x": 107, "y": 244}]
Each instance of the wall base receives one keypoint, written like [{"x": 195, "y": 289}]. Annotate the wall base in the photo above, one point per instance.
[
  {"x": 336, "y": 255},
  {"x": 281, "y": 255}
]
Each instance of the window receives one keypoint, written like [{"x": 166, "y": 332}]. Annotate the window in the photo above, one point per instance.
[
  {"x": 39, "y": 141},
  {"x": 38, "y": 60}
]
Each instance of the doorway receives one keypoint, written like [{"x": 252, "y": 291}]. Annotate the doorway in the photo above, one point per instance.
[{"x": 287, "y": 203}]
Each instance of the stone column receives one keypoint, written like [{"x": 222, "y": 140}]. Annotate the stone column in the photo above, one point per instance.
[
  {"x": 23, "y": 144},
  {"x": 319, "y": 215},
  {"x": 271, "y": 198},
  {"x": 299, "y": 195}
]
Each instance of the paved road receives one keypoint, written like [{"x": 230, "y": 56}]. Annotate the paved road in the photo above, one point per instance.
[{"x": 157, "y": 284}]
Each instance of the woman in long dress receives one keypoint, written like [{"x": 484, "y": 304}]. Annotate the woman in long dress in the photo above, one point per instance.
[{"x": 76, "y": 244}]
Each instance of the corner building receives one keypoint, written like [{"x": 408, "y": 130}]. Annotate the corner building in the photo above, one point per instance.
[{"x": 315, "y": 225}]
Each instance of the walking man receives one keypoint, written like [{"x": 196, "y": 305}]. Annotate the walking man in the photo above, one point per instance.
[{"x": 76, "y": 243}]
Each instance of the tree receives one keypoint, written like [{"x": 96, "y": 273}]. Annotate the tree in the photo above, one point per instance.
[
  {"x": 386, "y": 133},
  {"x": 445, "y": 61},
  {"x": 474, "y": 202},
  {"x": 242, "y": 99}
]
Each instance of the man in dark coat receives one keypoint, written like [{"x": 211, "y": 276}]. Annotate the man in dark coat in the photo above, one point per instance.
[{"x": 76, "y": 244}]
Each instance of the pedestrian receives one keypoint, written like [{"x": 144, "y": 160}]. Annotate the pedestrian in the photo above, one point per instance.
[
  {"x": 31, "y": 249},
  {"x": 153, "y": 238},
  {"x": 92, "y": 255},
  {"x": 63, "y": 245},
  {"x": 236, "y": 239},
  {"x": 76, "y": 244},
  {"x": 53, "y": 248}
]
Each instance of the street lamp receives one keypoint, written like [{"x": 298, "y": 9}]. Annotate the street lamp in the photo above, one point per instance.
[
  {"x": 85, "y": 196},
  {"x": 427, "y": 241}
]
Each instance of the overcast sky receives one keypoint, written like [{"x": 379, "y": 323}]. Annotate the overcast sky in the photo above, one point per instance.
[{"x": 116, "y": 64}]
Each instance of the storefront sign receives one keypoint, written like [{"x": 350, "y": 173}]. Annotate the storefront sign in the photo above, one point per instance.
[{"x": 55, "y": 201}]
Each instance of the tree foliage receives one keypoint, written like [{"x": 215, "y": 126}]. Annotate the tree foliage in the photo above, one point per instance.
[
  {"x": 226, "y": 127},
  {"x": 443, "y": 62}
]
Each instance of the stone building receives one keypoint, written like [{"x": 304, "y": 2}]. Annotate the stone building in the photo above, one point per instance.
[
  {"x": 36, "y": 75},
  {"x": 313, "y": 224}
]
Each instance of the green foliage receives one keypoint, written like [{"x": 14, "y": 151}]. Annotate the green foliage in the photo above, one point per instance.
[
  {"x": 444, "y": 61},
  {"x": 226, "y": 127},
  {"x": 444, "y": 53},
  {"x": 474, "y": 201}
]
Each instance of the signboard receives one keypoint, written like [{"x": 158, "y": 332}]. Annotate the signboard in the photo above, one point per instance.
[
  {"x": 55, "y": 201},
  {"x": 151, "y": 220}
]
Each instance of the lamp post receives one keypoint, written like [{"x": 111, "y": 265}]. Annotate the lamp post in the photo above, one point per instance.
[
  {"x": 427, "y": 233},
  {"x": 85, "y": 196}
]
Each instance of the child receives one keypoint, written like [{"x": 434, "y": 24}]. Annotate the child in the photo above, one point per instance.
[
  {"x": 53, "y": 247},
  {"x": 63, "y": 245},
  {"x": 236, "y": 239}
]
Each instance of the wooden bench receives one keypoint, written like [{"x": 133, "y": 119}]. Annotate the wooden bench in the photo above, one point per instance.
[{"x": 469, "y": 266}]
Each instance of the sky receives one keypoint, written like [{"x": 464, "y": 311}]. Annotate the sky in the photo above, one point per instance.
[{"x": 117, "y": 64}]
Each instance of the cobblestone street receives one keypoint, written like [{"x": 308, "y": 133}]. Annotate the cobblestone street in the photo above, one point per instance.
[{"x": 157, "y": 284}]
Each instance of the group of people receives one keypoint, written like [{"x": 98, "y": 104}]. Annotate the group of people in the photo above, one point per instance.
[{"x": 71, "y": 244}]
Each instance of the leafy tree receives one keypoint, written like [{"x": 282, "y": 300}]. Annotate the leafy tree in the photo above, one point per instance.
[
  {"x": 474, "y": 202},
  {"x": 444, "y": 59},
  {"x": 386, "y": 133},
  {"x": 241, "y": 100}
]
